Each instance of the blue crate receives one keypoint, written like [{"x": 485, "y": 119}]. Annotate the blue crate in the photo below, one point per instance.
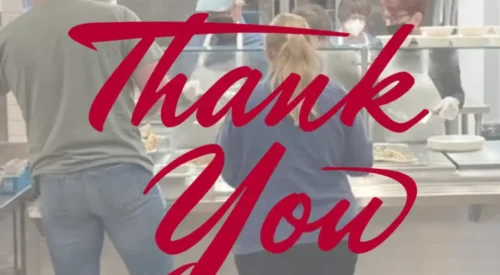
[{"x": 12, "y": 185}]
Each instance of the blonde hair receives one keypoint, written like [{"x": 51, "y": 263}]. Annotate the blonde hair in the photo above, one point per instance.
[{"x": 293, "y": 54}]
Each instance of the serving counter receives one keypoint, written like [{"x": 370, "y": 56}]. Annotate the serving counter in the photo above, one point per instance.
[
  {"x": 451, "y": 181},
  {"x": 441, "y": 183},
  {"x": 434, "y": 189},
  {"x": 438, "y": 181},
  {"x": 486, "y": 159},
  {"x": 463, "y": 178}
]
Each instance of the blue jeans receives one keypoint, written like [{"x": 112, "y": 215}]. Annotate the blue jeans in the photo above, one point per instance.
[{"x": 77, "y": 209}]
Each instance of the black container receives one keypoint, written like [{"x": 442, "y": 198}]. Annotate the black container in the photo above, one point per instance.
[{"x": 491, "y": 131}]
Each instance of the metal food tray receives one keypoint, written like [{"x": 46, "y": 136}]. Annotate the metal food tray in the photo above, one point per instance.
[
  {"x": 487, "y": 158},
  {"x": 426, "y": 160},
  {"x": 403, "y": 148}
]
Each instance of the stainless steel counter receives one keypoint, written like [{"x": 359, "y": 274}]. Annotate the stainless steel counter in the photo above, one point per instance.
[
  {"x": 438, "y": 181},
  {"x": 434, "y": 188},
  {"x": 427, "y": 160},
  {"x": 488, "y": 158}
]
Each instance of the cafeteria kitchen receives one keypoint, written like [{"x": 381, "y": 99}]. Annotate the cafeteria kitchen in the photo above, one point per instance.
[{"x": 454, "y": 227}]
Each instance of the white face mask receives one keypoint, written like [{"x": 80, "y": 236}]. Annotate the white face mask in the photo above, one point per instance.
[{"x": 355, "y": 26}]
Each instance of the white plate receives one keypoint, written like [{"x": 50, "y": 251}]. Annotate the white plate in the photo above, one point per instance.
[{"x": 455, "y": 143}]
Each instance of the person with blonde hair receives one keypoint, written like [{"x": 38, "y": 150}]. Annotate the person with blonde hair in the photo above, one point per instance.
[{"x": 299, "y": 171}]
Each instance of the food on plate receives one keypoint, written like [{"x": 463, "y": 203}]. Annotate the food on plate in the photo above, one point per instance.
[
  {"x": 202, "y": 161},
  {"x": 149, "y": 138},
  {"x": 392, "y": 154},
  {"x": 151, "y": 143}
]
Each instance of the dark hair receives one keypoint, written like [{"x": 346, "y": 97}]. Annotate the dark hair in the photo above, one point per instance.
[
  {"x": 410, "y": 6},
  {"x": 316, "y": 17},
  {"x": 349, "y": 7}
]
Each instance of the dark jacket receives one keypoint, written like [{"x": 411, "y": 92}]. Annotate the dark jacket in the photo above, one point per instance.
[{"x": 444, "y": 70}]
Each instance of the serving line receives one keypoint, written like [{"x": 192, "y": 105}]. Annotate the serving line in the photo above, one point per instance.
[
  {"x": 434, "y": 189},
  {"x": 485, "y": 163},
  {"x": 438, "y": 180},
  {"x": 439, "y": 184},
  {"x": 487, "y": 158},
  {"x": 16, "y": 206}
]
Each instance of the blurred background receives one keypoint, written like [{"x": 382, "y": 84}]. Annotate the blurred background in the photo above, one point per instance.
[{"x": 443, "y": 235}]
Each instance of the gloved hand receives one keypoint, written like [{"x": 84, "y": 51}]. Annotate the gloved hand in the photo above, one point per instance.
[
  {"x": 448, "y": 108},
  {"x": 192, "y": 91}
]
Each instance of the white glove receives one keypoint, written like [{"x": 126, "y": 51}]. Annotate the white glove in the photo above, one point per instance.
[
  {"x": 448, "y": 108},
  {"x": 192, "y": 90}
]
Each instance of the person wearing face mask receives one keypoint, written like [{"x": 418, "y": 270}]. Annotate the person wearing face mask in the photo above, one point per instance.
[
  {"x": 441, "y": 74},
  {"x": 352, "y": 15}
]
